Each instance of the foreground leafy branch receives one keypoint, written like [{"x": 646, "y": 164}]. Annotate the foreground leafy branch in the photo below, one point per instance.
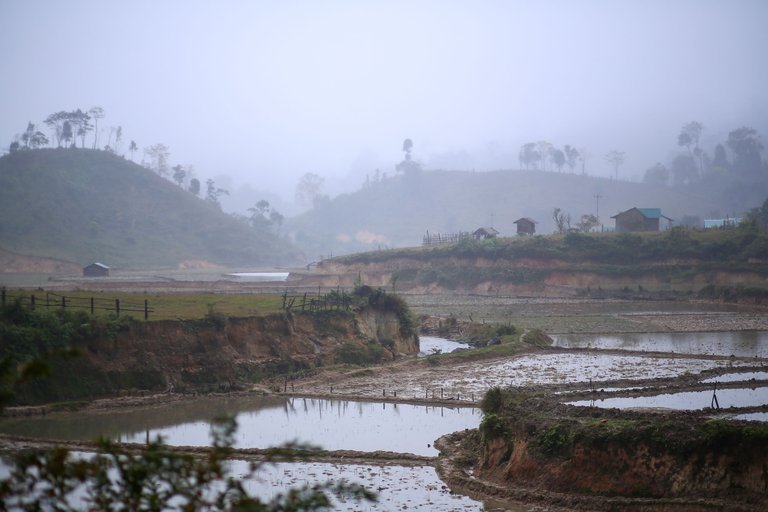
[{"x": 155, "y": 478}]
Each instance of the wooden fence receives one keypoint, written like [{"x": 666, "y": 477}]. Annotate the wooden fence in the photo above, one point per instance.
[
  {"x": 445, "y": 238},
  {"x": 54, "y": 300},
  {"x": 337, "y": 300}
]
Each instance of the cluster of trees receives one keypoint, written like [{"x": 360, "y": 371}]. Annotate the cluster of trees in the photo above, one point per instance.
[
  {"x": 66, "y": 128},
  {"x": 738, "y": 158},
  {"x": 264, "y": 216},
  {"x": 309, "y": 189},
  {"x": 544, "y": 155},
  {"x": 586, "y": 224},
  {"x": 408, "y": 166}
]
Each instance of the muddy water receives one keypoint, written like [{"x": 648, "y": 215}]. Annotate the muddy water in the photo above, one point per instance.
[
  {"x": 434, "y": 345},
  {"x": 330, "y": 424},
  {"x": 737, "y": 343},
  {"x": 398, "y": 487}
]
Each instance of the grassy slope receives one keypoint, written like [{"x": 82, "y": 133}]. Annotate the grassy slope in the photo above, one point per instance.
[
  {"x": 679, "y": 253},
  {"x": 400, "y": 210},
  {"x": 83, "y": 206}
]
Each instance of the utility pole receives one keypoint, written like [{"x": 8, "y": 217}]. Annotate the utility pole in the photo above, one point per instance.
[
  {"x": 597, "y": 209},
  {"x": 597, "y": 205}
]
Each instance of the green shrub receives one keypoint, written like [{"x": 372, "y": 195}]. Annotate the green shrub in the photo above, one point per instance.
[
  {"x": 492, "y": 427},
  {"x": 360, "y": 355},
  {"x": 493, "y": 401}
]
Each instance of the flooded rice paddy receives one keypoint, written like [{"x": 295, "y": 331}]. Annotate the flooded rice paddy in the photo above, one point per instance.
[
  {"x": 434, "y": 345},
  {"x": 688, "y": 400},
  {"x": 737, "y": 377},
  {"x": 737, "y": 343},
  {"x": 329, "y": 424},
  {"x": 467, "y": 381},
  {"x": 397, "y": 487}
]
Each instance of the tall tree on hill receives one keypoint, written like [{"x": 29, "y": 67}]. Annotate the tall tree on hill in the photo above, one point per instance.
[
  {"x": 194, "y": 186},
  {"x": 55, "y": 122},
  {"x": 158, "y": 155},
  {"x": 721, "y": 158},
  {"x": 745, "y": 144},
  {"x": 571, "y": 156},
  {"x": 81, "y": 123},
  {"x": 212, "y": 193},
  {"x": 657, "y": 175},
  {"x": 32, "y": 138},
  {"x": 132, "y": 148},
  {"x": 118, "y": 138},
  {"x": 689, "y": 136},
  {"x": 408, "y": 166},
  {"x": 584, "y": 155},
  {"x": 562, "y": 220},
  {"x": 616, "y": 159},
  {"x": 96, "y": 113},
  {"x": 558, "y": 158},
  {"x": 309, "y": 187},
  {"x": 66, "y": 133},
  {"x": 179, "y": 173},
  {"x": 544, "y": 149},
  {"x": 258, "y": 218},
  {"x": 529, "y": 156},
  {"x": 684, "y": 170},
  {"x": 276, "y": 218}
]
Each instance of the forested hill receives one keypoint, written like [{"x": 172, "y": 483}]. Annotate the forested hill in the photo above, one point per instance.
[
  {"x": 82, "y": 206},
  {"x": 398, "y": 211}
]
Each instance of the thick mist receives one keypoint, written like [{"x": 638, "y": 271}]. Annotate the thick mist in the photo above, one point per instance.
[{"x": 257, "y": 94}]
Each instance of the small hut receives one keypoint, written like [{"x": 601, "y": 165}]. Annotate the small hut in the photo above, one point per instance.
[
  {"x": 96, "y": 270},
  {"x": 641, "y": 219},
  {"x": 526, "y": 226},
  {"x": 485, "y": 233}
]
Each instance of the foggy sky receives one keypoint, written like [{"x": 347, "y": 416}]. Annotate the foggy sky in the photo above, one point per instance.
[{"x": 266, "y": 91}]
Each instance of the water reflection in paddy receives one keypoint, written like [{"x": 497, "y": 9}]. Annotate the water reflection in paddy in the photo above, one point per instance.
[
  {"x": 398, "y": 487},
  {"x": 331, "y": 424},
  {"x": 434, "y": 345},
  {"x": 753, "y": 416},
  {"x": 689, "y": 400},
  {"x": 738, "y": 343},
  {"x": 737, "y": 377}
]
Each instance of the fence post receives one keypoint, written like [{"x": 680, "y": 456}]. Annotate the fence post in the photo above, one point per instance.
[
  {"x": 3, "y": 295},
  {"x": 63, "y": 301},
  {"x": 146, "y": 309},
  {"x": 91, "y": 305},
  {"x": 117, "y": 307},
  {"x": 32, "y": 301}
]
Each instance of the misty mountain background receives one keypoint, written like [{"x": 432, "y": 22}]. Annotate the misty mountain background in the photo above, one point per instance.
[
  {"x": 256, "y": 94},
  {"x": 295, "y": 115}
]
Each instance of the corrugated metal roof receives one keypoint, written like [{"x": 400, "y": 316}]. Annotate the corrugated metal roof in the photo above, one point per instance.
[{"x": 651, "y": 213}]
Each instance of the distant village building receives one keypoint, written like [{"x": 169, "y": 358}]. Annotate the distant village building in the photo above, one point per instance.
[
  {"x": 96, "y": 270},
  {"x": 485, "y": 233},
  {"x": 641, "y": 219},
  {"x": 526, "y": 226},
  {"x": 731, "y": 222}
]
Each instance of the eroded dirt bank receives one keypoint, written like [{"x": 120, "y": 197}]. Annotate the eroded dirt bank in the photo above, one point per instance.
[{"x": 218, "y": 353}]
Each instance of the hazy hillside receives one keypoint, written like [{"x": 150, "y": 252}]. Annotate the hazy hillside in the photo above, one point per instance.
[
  {"x": 398, "y": 211},
  {"x": 83, "y": 206}
]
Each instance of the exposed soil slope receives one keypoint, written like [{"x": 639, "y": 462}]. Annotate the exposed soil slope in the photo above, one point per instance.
[{"x": 219, "y": 353}]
